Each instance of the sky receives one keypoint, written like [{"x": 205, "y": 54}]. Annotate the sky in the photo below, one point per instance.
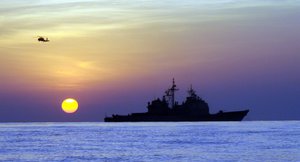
[{"x": 115, "y": 56}]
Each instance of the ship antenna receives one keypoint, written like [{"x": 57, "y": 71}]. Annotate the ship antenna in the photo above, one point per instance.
[
  {"x": 172, "y": 90},
  {"x": 191, "y": 91},
  {"x": 170, "y": 93}
]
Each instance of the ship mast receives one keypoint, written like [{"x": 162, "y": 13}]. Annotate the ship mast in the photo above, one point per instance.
[
  {"x": 192, "y": 92},
  {"x": 170, "y": 93}
]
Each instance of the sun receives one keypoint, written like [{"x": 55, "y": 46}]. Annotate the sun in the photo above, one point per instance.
[{"x": 69, "y": 105}]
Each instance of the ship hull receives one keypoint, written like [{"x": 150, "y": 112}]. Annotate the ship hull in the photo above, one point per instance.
[{"x": 146, "y": 117}]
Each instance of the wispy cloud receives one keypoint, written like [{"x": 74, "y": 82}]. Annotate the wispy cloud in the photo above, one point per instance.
[
  {"x": 116, "y": 38},
  {"x": 38, "y": 16}
]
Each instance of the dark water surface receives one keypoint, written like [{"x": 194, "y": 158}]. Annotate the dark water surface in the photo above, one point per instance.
[{"x": 184, "y": 141}]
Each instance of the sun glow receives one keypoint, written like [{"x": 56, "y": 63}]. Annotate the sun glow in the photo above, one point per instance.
[{"x": 69, "y": 105}]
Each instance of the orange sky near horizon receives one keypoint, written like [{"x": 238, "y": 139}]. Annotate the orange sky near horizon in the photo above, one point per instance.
[{"x": 99, "y": 43}]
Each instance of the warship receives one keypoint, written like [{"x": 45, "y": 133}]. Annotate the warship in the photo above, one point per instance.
[{"x": 166, "y": 109}]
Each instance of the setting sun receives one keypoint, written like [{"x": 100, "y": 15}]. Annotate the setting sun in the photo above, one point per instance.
[{"x": 69, "y": 105}]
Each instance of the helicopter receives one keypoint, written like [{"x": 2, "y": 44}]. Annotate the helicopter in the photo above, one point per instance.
[{"x": 42, "y": 39}]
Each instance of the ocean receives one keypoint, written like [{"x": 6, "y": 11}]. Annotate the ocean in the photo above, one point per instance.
[{"x": 161, "y": 141}]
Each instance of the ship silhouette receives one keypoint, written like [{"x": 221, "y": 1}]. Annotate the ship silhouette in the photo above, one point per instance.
[{"x": 167, "y": 109}]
